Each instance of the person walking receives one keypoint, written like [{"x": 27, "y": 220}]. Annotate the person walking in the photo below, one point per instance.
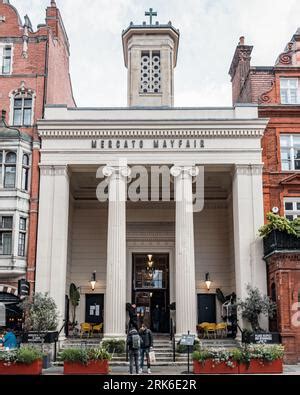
[
  {"x": 134, "y": 348},
  {"x": 146, "y": 345},
  {"x": 133, "y": 318},
  {"x": 156, "y": 318}
]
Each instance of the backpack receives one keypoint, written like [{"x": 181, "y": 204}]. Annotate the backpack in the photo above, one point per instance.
[{"x": 136, "y": 341}]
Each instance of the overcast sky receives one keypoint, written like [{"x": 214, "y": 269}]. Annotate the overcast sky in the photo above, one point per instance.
[{"x": 210, "y": 30}]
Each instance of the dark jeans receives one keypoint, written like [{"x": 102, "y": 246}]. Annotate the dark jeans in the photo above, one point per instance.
[
  {"x": 134, "y": 359},
  {"x": 143, "y": 352}
]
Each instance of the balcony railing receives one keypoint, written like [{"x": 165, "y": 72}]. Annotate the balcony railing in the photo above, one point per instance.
[{"x": 280, "y": 241}]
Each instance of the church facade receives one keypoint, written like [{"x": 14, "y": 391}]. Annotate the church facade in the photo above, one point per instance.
[{"x": 117, "y": 187}]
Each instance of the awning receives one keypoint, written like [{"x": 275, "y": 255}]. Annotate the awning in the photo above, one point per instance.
[
  {"x": 2, "y": 314},
  {"x": 7, "y": 298}
]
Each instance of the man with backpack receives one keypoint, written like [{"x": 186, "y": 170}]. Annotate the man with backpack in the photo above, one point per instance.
[
  {"x": 146, "y": 345},
  {"x": 134, "y": 347}
]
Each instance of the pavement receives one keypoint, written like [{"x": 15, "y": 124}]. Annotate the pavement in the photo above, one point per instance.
[{"x": 166, "y": 370}]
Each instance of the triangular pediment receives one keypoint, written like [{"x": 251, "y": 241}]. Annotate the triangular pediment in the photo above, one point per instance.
[{"x": 294, "y": 179}]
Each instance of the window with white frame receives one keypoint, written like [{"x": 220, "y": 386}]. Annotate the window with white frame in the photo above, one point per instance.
[
  {"x": 290, "y": 151},
  {"x": 5, "y": 59},
  {"x": 292, "y": 208},
  {"x": 25, "y": 172},
  {"x": 22, "y": 237},
  {"x": 9, "y": 162},
  {"x": 22, "y": 109},
  {"x": 289, "y": 91},
  {"x": 6, "y": 228}
]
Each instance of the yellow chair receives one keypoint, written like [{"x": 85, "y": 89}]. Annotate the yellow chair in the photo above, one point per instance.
[
  {"x": 85, "y": 328},
  {"x": 210, "y": 329},
  {"x": 97, "y": 328},
  {"x": 221, "y": 329},
  {"x": 201, "y": 327}
]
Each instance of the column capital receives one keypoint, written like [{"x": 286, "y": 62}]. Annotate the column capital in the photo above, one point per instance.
[
  {"x": 184, "y": 171},
  {"x": 116, "y": 171},
  {"x": 54, "y": 170},
  {"x": 249, "y": 170}
]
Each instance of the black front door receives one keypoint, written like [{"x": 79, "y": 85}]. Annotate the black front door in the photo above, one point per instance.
[
  {"x": 206, "y": 308},
  {"x": 94, "y": 304}
]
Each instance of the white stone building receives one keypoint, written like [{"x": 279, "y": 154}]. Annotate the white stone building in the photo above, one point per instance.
[{"x": 79, "y": 235}]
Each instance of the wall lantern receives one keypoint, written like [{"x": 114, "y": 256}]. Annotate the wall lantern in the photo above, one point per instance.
[
  {"x": 207, "y": 281},
  {"x": 93, "y": 281}
]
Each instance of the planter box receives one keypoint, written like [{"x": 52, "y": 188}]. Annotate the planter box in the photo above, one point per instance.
[
  {"x": 280, "y": 241},
  {"x": 210, "y": 367},
  {"x": 93, "y": 367},
  {"x": 258, "y": 366},
  {"x": 33, "y": 369},
  {"x": 261, "y": 338}
]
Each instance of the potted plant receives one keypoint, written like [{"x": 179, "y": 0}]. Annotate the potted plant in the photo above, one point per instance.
[
  {"x": 41, "y": 322},
  {"x": 23, "y": 361},
  {"x": 85, "y": 361},
  {"x": 114, "y": 346},
  {"x": 262, "y": 358},
  {"x": 252, "y": 307},
  {"x": 74, "y": 295},
  {"x": 216, "y": 361}
]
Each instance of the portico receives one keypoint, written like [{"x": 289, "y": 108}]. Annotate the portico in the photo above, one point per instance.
[
  {"x": 181, "y": 185},
  {"x": 79, "y": 235}
]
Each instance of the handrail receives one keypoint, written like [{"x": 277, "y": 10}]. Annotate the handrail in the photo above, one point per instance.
[
  {"x": 172, "y": 338},
  {"x": 56, "y": 340}
]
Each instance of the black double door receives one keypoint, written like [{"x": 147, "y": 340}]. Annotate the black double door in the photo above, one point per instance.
[
  {"x": 94, "y": 307},
  {"x": 206, "y": 308}
]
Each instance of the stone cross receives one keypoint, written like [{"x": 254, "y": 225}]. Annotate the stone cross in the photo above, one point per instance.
[{"x": 151, "y": 14}]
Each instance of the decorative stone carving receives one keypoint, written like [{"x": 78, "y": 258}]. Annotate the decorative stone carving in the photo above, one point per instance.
[{"x": 265, "y": 97}]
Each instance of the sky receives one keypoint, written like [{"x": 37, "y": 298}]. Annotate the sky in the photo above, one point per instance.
[{"x": 209, "y": 33}]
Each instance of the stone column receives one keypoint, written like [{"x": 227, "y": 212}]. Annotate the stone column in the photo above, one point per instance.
[
  {"x": 52, "y": 242},
  {"x": 115, "y": 296},
  {"x": 248, "y": 216},
  {"x": 186, "y": 312}
]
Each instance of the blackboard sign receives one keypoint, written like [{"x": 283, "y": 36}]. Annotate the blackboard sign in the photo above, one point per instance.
[
  {"x": 187, "y": 340},
  {"x": 261, "y": 338},
  {"x": 36, "y": 337}
]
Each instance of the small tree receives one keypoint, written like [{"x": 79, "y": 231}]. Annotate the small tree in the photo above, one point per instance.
[
  {"x": 74, "y": 295},
  {"x": 41, "y": 313},
  {"x": 256, "y": 305}
]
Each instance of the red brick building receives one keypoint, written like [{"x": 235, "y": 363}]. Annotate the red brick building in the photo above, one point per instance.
[
  {"x": 34, "y": 71},
  {"x": 276, "y": 90}
]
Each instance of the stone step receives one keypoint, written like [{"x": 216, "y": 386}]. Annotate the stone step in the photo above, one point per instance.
[{"x": 124, "y": 363}]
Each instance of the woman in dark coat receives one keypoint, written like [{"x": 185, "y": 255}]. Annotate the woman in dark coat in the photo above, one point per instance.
[{"x": 133, "y": 319}]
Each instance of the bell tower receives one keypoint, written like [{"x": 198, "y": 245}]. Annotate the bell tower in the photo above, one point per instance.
[{"x": 150, "y": 54}]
